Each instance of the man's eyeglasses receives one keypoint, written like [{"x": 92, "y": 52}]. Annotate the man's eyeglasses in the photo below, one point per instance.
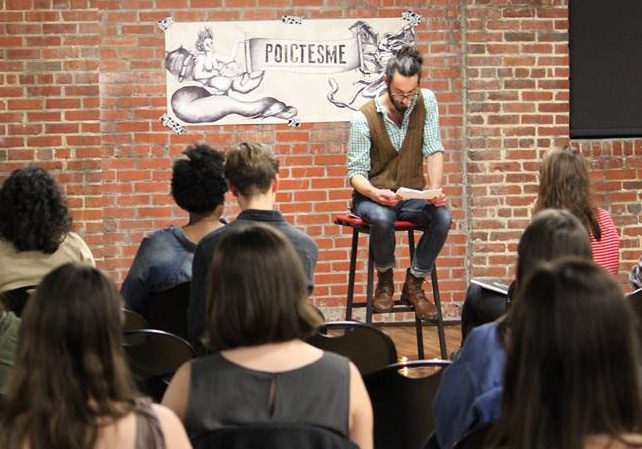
[{"x": 409, "y": 96}]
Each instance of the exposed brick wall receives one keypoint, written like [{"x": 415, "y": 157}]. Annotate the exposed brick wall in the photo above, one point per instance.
[{"x": 82, "y": 86}]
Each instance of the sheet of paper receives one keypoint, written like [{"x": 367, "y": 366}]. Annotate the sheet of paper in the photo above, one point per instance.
[{"x": 411, "y": 194}]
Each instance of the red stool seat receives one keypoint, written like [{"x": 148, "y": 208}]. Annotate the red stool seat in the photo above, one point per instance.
[
  {"x": 353, "y": 220},
  {"x": 358, "y": 225}
]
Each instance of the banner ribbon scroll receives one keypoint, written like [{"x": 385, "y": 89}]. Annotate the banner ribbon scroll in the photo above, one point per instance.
[{"x": 314, "y": 57}]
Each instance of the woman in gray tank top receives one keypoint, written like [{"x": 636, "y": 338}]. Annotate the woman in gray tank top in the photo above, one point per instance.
[{"x": 261, "y": 371}]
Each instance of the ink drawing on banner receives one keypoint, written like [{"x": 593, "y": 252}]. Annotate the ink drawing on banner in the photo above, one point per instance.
[{"x": 273, "y": 72}]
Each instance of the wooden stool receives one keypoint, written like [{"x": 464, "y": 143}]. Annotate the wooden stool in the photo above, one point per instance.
[{"x": 358, "y": 225}]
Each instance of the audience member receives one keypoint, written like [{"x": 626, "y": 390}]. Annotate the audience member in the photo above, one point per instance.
[
  {"x": 35, "y": 230},
  {"x": 70, "y": 387},
  {"x": 564, "y": 184},
  {"x": 252, "y": 173},
  {"x": 9, "y": 327},
  {"x": 572, "y": 367},
  {"x": 470, "y": 390},
  {"x": 165, "y": 257},
  {"x": 262, "y": 372}
]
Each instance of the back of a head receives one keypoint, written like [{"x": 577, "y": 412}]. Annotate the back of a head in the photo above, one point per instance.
[
  {"x": 553, "y": 233},
  {"x": 406, "y": 62},
  {"x": 571, "y": 368},
  {"x": 564, "y": 184},
  {"x": 198, "y": 185},
  {"x": 70, "y": 366},
  {"x": 251, "y": 168},
  {"x": 257, "y": 290},
  {"x": 33, "y": 213}
]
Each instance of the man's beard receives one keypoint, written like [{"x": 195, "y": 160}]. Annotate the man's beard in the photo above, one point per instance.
[{"x": 399, "y": 107}]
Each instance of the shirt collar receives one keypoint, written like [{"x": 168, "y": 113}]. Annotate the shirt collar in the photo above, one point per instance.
[{"x": 260, "y": 215}]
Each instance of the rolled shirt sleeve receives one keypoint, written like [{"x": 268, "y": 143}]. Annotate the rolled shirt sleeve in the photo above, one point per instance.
[{"x": 432, "y": 135}]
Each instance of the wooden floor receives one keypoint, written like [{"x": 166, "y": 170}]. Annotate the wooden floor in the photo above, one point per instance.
[{"x": 405, "y": 339}]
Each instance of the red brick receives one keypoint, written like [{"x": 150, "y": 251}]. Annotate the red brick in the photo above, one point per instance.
[{"x": 44, "y": 141}]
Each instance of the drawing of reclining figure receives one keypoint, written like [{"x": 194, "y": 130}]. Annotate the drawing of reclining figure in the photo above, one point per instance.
[{"x": 219, "y": 75}]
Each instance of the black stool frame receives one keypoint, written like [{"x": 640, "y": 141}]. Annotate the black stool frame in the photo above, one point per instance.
[{"x": 439, "y": 322}]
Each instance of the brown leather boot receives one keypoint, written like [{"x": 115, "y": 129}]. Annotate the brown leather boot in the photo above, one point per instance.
[
  {"x": 413, "y": 294},
  {"x": 382, "y": 301}
]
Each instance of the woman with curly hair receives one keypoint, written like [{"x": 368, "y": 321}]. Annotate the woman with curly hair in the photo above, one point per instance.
[
  {"x": 564, "y": 184},
  {"x": 70, "y": 387},
  {"x": 35, "y": 230},
  {"x": 165, "y": 257}
]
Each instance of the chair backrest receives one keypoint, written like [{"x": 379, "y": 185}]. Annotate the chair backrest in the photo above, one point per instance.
[
  {"x": 273, "y": 436},
  {"x": 402, "y": 405},
  {"x": 167, "y": 310},
  {"x": 153, "y": 357},
  {"x": 15, "y": 300},
  {"x": 366, "y": 346},
  {"x": 153, "y": 353},
  {"x": 476, "y": 438},
  {"x": 636, "y": 300},
  {"x": 133, "y": 321}
]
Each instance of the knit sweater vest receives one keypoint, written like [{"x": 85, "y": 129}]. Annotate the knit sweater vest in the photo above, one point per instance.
[{"x": 389, "y": 168}]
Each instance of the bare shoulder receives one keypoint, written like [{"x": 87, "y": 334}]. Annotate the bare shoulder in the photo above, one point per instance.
[{"x": 172, "y": 427}]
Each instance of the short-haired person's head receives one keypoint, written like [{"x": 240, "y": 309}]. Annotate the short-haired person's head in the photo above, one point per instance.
[
  {"x": 69, "y": 368},
  {"x": 553, "y": 233},
  {"x": 257, "y": 291},
  {"x": 572, "y": 362},
  {"x": 33, "y": 212},
  {"x": 564, "y": 184},
  {"x": 198, "y": 184},
  {"x": 250, "y": 168}
]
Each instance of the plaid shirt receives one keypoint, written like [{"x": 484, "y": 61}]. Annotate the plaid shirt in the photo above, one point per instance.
[{"x": 359, "y": 143}]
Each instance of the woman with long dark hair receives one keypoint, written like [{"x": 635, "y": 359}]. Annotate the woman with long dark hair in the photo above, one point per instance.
[
  {"x": 262, "y": 372},
  {"x": 470, "y": 391},
  {"x": 572, "y": 367},
  {"x": 70, "y": 387},
  {"x": 35, "y": 229},
  {"x": 564, "y": 184}
]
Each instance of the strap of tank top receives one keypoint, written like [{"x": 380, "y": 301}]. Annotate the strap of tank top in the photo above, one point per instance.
[{"x": 148, "y": 430}]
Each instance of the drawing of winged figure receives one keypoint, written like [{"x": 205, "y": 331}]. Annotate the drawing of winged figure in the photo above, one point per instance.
[{"x": 211, "y": 78}]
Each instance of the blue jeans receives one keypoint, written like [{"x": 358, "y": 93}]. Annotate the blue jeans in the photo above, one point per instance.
[{"x": 435, "y": 221}]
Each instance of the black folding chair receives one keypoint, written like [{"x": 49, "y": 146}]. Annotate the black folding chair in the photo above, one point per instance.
[
  {"x": 366, "y": 346},
  {"x": 154, "y": 356},
  {"x": 273, "y": 436},
  {"x": 167, "y": 310},
  {"x": 402, "y": 405},
  {"x": 16, "y": 300},
  {"x": 133, "y": 321}
]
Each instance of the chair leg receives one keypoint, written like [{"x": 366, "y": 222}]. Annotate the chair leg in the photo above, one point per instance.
[
  {"x": 418, "y": 323},
  {"x": 420, "y": 338},
  {"x": 369, "y": 286},
  {"x": 351, "y": 275},
  {"x": 440, "y": 316}
]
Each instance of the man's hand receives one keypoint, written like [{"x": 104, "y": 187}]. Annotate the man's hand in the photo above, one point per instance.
[
  {"x": 386, "y": 197},
  {"x": 438, "y": 201}
]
